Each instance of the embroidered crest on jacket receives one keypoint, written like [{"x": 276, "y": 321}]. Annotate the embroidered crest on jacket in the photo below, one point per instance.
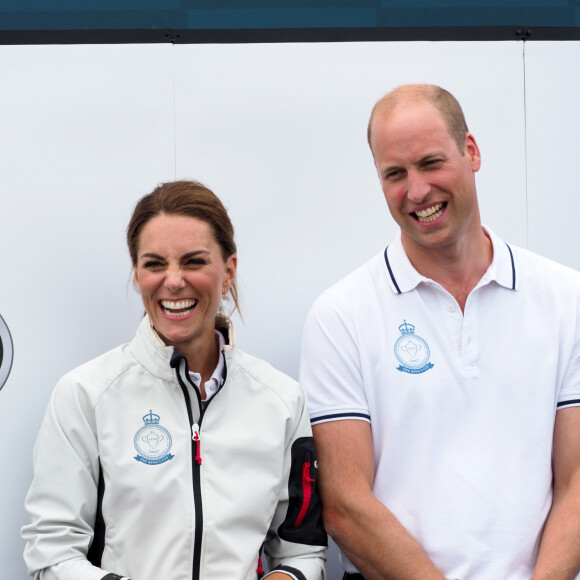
[{"x": 152, "y": 441}]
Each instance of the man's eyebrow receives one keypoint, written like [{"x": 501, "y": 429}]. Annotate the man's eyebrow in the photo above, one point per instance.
[
  {"x": 389, "y": 168},
  {"x": 431, "y": 156}
]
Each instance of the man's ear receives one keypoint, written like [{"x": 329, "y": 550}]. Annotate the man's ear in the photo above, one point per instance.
[{"x": 472, "y": 151}]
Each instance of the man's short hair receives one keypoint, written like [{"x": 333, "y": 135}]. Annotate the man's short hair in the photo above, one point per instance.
[{"x": 442, "y": 100}]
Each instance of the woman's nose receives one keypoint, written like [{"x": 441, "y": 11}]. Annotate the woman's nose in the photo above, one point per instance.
[{"x": 174, "y": 279}]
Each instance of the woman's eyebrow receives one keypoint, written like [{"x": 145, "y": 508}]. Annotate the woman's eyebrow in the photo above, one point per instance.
[
  {"x": 152, "y": 255},
  {"x": 193, "y": 254}
]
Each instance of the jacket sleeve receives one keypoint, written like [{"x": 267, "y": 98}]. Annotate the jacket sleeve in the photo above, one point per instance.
[
  {"x": 297, "y": 542},
  {"x": 62, "y": 500},
  {"x": 77, "y": 569}
]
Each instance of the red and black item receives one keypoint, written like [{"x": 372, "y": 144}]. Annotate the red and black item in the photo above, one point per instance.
[{"x": 303, "y": 523}]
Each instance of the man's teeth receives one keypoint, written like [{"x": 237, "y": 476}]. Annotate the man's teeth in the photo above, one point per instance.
[
  {"x": 178, "y": 308},
  {"x": 430, "y": 214}
]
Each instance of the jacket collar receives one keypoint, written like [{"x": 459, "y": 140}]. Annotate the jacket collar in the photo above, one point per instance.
[{"x": 156, "y": 357}]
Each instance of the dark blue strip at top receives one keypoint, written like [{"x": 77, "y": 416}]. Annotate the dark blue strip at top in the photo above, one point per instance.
[
  {"x": 513, "y": 268},
  {"x": 336, "y": 416},
  {"x": 391, "y": 272}
]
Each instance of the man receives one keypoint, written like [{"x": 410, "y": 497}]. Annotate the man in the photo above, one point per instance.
[{"x": 444, "y": 377}]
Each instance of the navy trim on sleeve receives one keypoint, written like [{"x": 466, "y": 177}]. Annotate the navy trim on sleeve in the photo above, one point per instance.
[
  {"x": 513, "y": 267},
  {"x": 391, "y": 271},
  {"x": 114, "y": 577},
  {"x": 338, "y": 416},
  {"x": 571, "y": 402},
  {"x": 290, "y": 570}
]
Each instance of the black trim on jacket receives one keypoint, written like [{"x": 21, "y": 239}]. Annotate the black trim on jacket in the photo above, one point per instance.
[{"x": 95, "y": 553}]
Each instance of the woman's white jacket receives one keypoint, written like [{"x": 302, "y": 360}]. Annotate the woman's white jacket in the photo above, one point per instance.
[{"x": 131, "y": 474}]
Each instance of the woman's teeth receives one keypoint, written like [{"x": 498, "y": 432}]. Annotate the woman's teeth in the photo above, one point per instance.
[{"x": 178, "y": 308}]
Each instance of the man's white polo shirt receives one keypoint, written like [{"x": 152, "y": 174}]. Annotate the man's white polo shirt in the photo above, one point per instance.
[{"x": 461, "y": 405}]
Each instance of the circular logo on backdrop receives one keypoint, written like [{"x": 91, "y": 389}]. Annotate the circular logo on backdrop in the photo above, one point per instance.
[{"x": 6, "y": 352}]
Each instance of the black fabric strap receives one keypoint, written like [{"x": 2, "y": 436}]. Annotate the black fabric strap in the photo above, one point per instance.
[{"x": 348, "y": 576}]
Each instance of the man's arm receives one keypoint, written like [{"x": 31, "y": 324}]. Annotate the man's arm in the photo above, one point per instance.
[
  {"x": 559, "y": 554},
  {"x": 367, "y": 532}
]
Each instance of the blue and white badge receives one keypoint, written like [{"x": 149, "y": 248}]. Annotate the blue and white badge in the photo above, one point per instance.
[
  {"x": 152, "y": 441},
  {"x": 412, "y": 351}
]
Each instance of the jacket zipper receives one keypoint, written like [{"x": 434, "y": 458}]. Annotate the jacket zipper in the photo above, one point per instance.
[
  {"x": 195, "y": 472},
  {"x": 306, "y": 493},
  {"x": 196, "y": 456},
  {"x": 195, "y": 437}
]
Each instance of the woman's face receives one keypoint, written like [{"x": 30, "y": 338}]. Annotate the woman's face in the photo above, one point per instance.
[{"x": 181, "y": 275}]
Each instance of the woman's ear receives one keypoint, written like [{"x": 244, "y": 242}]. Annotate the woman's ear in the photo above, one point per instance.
[
  {"x": 135, "y": 280},
  {"x": 231, "y": 267}
]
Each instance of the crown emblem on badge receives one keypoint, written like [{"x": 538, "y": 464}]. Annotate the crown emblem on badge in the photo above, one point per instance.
[
  {"x": 152, "y": 441},
  {"x": 406, "y": 328},
  {"x": 412, "y": 351},
  {"x": 151, "y": 418}
]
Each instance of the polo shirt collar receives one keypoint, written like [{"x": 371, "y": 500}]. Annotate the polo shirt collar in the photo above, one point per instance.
[
  {"x": 502, "y": 269},
  {"x": 403, "y": 277}
]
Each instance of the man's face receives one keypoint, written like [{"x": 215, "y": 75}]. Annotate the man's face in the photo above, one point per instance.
[{"x": 428, "y": 184}]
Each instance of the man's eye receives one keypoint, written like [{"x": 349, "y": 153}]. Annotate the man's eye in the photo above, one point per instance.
[{"x": 392, "y": 175}]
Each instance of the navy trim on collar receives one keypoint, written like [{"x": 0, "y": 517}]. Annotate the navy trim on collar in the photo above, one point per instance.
[
  {"x": 399, "y": 290},
  {"x": 513, "y": 267},
  {"x": 391, "y": 272}
]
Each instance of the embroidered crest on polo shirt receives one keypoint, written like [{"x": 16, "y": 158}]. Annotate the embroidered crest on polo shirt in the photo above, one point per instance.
[
  {"x": 152, "y": 441},
  {"x": 412, "y": 351}
]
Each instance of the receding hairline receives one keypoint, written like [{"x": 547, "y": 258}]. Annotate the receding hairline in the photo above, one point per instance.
[{"x": 442, "y": 100}]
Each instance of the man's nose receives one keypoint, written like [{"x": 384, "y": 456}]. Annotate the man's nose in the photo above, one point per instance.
[{"x": 417, "y": 187}]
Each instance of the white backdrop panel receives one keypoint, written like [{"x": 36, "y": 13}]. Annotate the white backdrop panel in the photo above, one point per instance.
[
  {"x": 278, "y": 131},
  {"x": 553, "y": 126},
  {"x": 84, "y": 131}
]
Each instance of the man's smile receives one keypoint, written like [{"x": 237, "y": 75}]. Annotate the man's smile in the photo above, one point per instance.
[{"x": 430, "y": 214}]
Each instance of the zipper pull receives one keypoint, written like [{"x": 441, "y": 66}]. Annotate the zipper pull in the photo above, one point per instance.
[{"x": 195, "y": 437}]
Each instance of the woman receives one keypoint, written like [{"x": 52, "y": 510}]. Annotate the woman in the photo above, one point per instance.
[{"x": 176, "y": 456}]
